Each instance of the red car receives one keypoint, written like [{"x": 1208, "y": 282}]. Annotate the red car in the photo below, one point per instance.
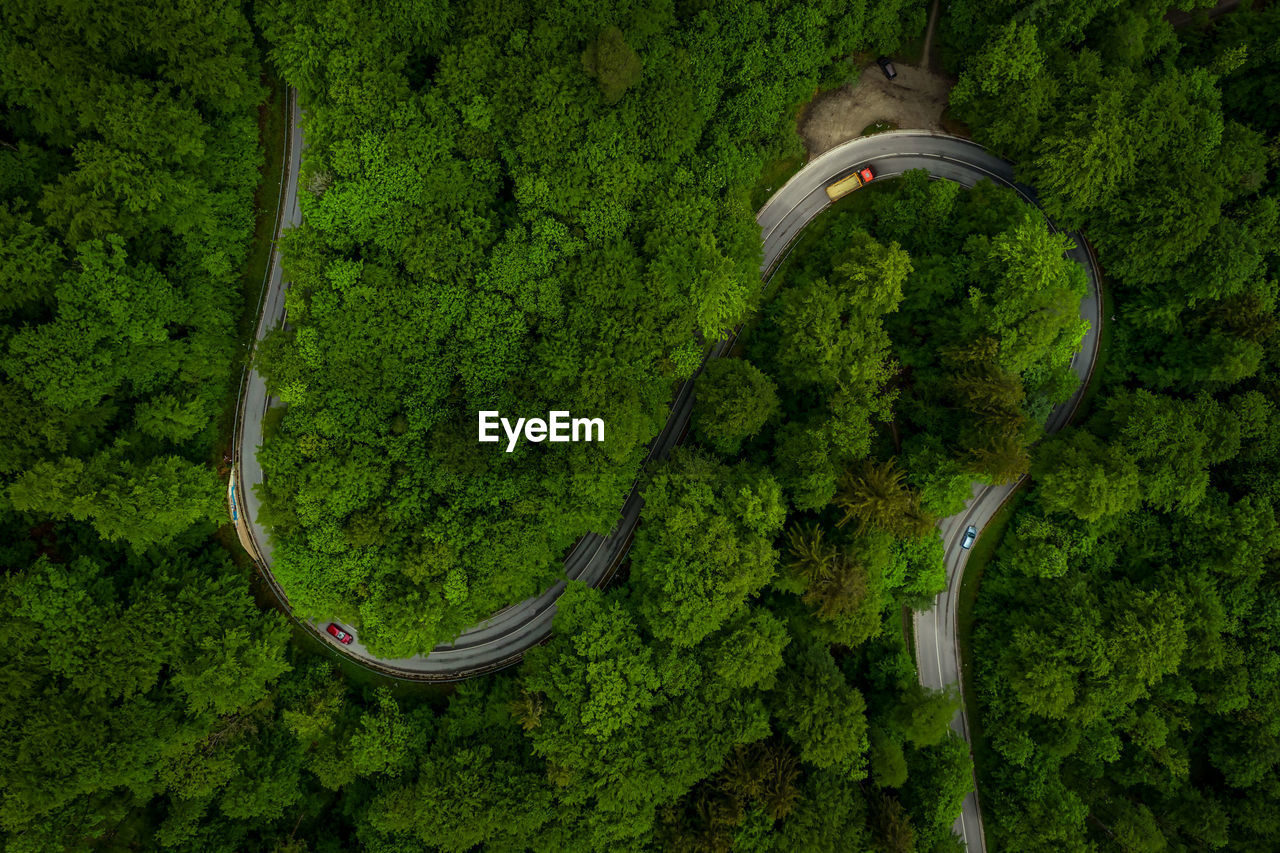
[
  {"x": 866, "y": 174},
  {"x": 340, "y": 635}
]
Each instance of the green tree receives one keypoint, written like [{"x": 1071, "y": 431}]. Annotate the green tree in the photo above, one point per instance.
[
  {"x": 629, "y": 726},
  {"x": 1079, "y": 474},
  {"x": 173, "y": 711},
  {"x": 819, "y": 712},
  {"x": 613, "y": 63},
  {"x": 704, "y": 545},
  {"x": 733, "y": 401},
  {"x": 832, "y": 815},
  {"x": 143, "y": 504},
  {"x": 474, "y": 784},
  {"x": 877, "y": 496}
]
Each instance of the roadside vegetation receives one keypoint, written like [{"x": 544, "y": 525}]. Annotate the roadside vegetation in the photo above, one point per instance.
[
  {"x": 135, "y": 663},
  {"x": 514, "y": 207},
  {"x": 1126, "y": 642},
  {"x": 125, "y": 210},
  {"x": 499, "y": 209}
]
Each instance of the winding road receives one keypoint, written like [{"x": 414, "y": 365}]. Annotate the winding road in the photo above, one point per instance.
[
  {"x": 502, "y": 639},
  {"x": 966, "y": 163}
]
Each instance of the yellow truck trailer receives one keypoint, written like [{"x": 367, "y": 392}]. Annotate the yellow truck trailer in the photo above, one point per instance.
[{"x": 849, "y": 183}]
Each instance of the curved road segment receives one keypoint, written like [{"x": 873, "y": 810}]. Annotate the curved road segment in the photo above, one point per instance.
[
  {"x": 966, "y": 163},
  {"x": 502, "y": 639}
]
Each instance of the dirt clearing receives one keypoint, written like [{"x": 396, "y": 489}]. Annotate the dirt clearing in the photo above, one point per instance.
[{"x": 914, "y": 100}]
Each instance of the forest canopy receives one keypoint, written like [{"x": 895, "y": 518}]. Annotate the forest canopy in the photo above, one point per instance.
[
  {"x": 927, "y": 325},
  {"x": 137, "y": 670},
  {"x": 498, "y": 195},
  {"x": 1125, "y": 642},
  {"x": 126, "y": 186},
  {"x": 500, "y": 199}
]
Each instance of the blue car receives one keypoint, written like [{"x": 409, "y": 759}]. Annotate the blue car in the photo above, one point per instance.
[{"x": 969, "y": 535}]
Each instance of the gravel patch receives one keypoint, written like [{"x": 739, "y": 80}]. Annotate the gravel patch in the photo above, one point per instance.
[{"x": 914, "y": 100}]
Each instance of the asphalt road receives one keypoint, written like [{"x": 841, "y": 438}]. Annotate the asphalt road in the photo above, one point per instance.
[
  {"x": 947, "y": 157},
  {"x": 502, "y": 639},
  {"x": 253, "y": 402}
]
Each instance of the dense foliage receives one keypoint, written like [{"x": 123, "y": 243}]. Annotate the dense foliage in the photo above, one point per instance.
[
  {"x": 501, "y": 213},
  {"x": 126, "y": 179},
  {"x": 136, "y": 667},
  {"x": 150, "y": 704},
  {"x": 740, "y": 689},
  {"x": 131, "y": 682},
  {"x": 519, "y": 207},
  {"x": 956, "y": 330},
  {"x": 1126, "y": 647}
]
